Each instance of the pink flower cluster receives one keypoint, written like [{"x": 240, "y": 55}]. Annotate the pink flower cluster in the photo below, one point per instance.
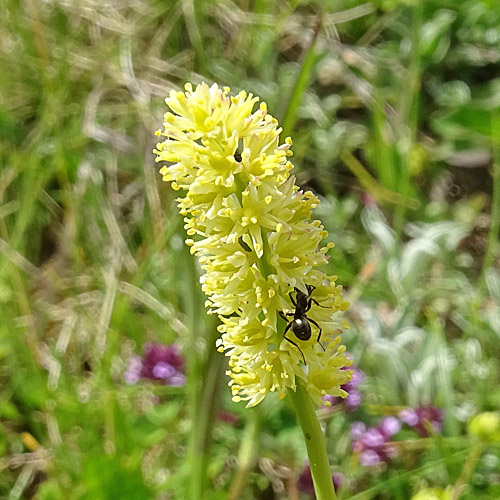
[
  {"x": 425, "y": 419},
  {"x": 373, "y": 443}
]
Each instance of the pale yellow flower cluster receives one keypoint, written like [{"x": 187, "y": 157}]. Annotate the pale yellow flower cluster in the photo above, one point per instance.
[{"x": 251, "y": 228}]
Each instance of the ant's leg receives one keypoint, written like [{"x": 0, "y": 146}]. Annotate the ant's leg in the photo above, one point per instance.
[
  {"x": 292, "y": 299},
  {"x": 318, "y": 304},
  {"x": 292, "y": 342},
  {"x": 319, "y": 334},
  {"x": 282, "y": 314},
  {"x": 310, "y": 289},
  {"x": 311, "y": 300}
]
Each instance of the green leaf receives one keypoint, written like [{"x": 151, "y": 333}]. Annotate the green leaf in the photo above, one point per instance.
[
  {"x": 108, "y": 478},
  {"x": 459, "y": 123}
]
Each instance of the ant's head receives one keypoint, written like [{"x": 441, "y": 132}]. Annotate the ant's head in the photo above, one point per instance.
[
  {"x": 310, "y": 288},
  {"x": 300, "y": 295}
]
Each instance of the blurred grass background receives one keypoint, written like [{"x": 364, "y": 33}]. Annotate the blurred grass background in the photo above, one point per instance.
[{"x": 394, "y": 109}]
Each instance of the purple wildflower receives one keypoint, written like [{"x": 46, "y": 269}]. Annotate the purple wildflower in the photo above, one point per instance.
[
  {"x": 370, "y": 458},
  {"x": 160, "y": 362},
  {"x": 357, "y": 430},
  {"x": 389, "y": 426},
  {"x": 372, "y": 443},
  {"x": 305, "y": 481},
  {"x": 424, "y": 419},
  {"x": 353, "y": 400}
]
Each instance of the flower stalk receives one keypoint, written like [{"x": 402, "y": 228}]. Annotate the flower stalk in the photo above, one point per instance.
[{"x": 315, "y": 443}]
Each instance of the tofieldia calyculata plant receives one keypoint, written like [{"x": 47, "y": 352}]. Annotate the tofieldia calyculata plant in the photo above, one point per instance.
[{"x": 251, "y": 228}]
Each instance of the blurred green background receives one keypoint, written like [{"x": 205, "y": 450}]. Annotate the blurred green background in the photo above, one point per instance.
[{"x": 394, "y": 109}]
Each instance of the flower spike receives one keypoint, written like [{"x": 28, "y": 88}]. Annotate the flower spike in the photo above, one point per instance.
[{"x": 250, "y": 227}]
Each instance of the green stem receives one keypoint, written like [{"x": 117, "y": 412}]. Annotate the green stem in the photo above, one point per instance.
[
  {"x": 301, "y": 84},
  {"x": 246, "y": 456},
  {"x": 380, "y": 193},
  {"x": 193, "y": 15},
  {"x": 494, "y": 231},
  {"x": 205, "y": 375},
  {"x": 408, "y": 118},
  {"x": 264, "y": 266},
  {"x": 205, "y": 411},
  {"x": 315, "y": 443},
  {"x": 468, "y": 469}
]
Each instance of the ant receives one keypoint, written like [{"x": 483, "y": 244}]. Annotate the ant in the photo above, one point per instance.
[{"x": 300, "y": 324}]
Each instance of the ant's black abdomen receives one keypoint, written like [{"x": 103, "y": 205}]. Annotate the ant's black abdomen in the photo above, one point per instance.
[{"x": 301, "y": 328}]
